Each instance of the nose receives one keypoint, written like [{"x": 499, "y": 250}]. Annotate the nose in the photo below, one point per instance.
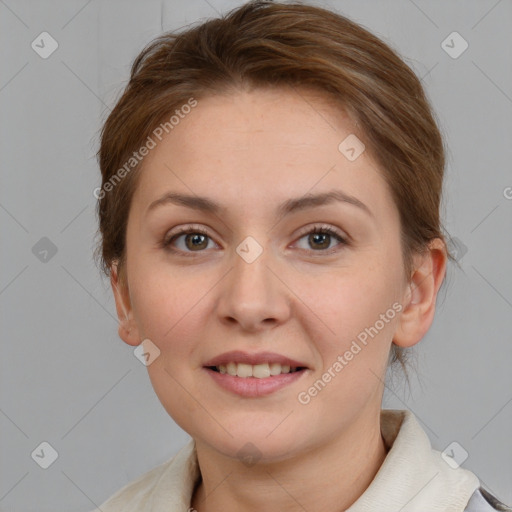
[{"x": 252, "y": 295}]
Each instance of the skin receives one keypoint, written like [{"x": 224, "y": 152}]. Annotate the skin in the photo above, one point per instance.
[{"x": 251, "y": 151}]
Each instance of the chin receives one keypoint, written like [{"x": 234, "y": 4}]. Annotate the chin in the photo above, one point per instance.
[{"x": 252, "y": 451}]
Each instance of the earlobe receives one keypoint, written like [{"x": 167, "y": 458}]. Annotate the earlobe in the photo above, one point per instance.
[
  {"x": 127, "y": 328},
  {"x": 420, "y": 297}
]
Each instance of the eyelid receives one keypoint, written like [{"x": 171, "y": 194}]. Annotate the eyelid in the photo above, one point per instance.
[
  {"x": 324, "y": 227},
  {"x": 188, "y": 228},
  {"x": 184, "y": 230},
  {"x": 344, "y": 239}
]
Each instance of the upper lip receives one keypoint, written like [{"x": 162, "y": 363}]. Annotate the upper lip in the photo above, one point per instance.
[{"x": 237, "y": 356}]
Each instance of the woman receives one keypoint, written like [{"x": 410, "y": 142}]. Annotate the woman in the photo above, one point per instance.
[{"x": 269, "y": 214}]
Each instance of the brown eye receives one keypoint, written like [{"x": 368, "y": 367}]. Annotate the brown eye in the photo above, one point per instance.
[
  {"x": 196, "y": 241},
  {"x": 187, "y": 240},
  {"x": 319, "y": 239}
]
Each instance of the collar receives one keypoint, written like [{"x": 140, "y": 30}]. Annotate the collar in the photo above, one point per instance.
[{"x": 412, "y": 478}]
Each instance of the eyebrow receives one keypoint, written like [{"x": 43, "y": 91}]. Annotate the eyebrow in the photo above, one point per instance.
[{"x": 291, "y": 205}]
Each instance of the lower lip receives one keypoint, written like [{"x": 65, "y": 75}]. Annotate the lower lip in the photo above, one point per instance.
[{"x": 253, "y": 387}]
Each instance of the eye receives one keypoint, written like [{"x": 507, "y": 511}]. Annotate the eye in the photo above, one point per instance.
[
  {"x": 194, "y": 239},
  {"x": 319, "y": 239}
]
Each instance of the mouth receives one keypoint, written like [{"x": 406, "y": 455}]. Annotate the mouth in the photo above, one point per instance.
[
  {"x": 254, "y": 375},
  {"x": 258, "y": 371}
]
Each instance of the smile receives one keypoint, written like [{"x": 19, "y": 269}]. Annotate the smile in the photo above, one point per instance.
[
  {"x": 259, "y": 371},
  {"x": 254, "y": 374},
  {"x": 250, "y": 386}
]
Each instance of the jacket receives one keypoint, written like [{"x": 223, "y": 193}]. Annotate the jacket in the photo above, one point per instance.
[{"x": 413, "y": 478}]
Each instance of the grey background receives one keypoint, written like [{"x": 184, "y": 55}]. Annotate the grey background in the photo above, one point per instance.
[{"x": 66, "y": 377}]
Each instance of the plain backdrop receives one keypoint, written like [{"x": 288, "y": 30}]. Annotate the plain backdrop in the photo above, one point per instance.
[{"x": 66, "y": 377}]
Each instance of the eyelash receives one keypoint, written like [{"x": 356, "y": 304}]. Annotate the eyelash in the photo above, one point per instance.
[{"x": 327, "y": 230}]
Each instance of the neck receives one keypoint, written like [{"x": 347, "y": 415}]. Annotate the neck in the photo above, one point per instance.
[{"x": 332, "y": 476}]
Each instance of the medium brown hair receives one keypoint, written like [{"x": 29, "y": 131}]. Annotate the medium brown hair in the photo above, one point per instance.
[{"x": 265, "y": 44}]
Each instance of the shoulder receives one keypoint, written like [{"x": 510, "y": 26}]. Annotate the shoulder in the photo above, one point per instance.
[
  {"x": 166, "y": 487},
  {"x": 135, "y": 493},
  {"x": 483, "y": 501}
]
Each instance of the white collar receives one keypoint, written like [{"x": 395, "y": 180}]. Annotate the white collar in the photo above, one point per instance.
[{"x": 412, "y": 478}]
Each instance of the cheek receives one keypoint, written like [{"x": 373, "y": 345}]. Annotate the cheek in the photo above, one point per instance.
[
  {"x": 358, "y": 319},
  {"x": 169, "y": 308},
  {"x": 172, "y": 385},
  {"x": 166, "y": 310},
  {"x": 354, "y": 358},
  {"x": 350, "y": 303},
  {"x": 161, "y": 300}
]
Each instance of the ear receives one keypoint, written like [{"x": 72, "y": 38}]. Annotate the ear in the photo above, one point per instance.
[
  {"x": 127, "y": 329},
  {"x": 420, "y": 298}
]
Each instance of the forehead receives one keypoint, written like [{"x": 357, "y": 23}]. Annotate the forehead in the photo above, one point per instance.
[{"x": 259, "y": 146}]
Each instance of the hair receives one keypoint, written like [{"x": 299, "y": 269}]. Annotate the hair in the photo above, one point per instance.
[{"x": 263, "y": 44}]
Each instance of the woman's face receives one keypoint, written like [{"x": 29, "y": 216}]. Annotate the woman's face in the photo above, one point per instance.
[{"x": 254, "y": 278}]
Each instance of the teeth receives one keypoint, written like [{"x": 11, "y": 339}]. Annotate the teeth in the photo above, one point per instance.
[
  {"x": 275, "y": 368},
  {"x": 260, "y": 371},
  {"x": 244, "y": 370}
]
